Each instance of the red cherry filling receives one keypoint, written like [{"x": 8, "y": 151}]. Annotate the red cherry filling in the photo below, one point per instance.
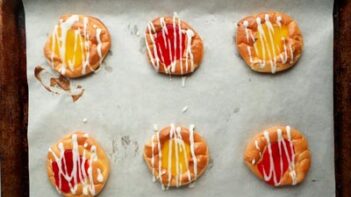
[
  {"x": 170, "y": 45},
  {"x": 67, "y": 167},
  {"x": 281, "y": 155}
]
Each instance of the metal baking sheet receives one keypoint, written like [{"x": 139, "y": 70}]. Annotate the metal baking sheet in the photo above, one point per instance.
[{"x": 226, "y": 101}]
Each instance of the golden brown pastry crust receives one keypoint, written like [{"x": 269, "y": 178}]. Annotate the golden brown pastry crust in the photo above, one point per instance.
[
  {"x": 252, "y": 155},
  {"x": 94, "y": 59},
  {"x": 245, "y": 44},
  {"x": 200, "y": 150},
  {"x": 196, "y": 48},
  {"x": 85, "y": 143}
]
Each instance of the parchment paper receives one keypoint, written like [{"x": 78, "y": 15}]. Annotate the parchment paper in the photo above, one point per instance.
[{"x": 226, "y": 101}]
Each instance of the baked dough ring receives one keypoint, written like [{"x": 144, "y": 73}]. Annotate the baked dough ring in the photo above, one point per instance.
[
  {"x": 176, "y": 56},
  {"x": 85, "y": 151},
  {"x": 197, "y": 157},
  {"x": 87, "y": 43},
  {"x": 265, "y": 146},
  {"x": 279, "y": 57}
]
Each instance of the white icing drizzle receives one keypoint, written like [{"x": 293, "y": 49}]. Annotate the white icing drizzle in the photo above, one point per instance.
[
  {"x": 283, "y": 149},
  {"x": 291, "y": 53},
  {"x": 86, "y": 179},
  {"x": 180, "y": 141},
  {"x": 171, "y": 136},
  {"x": 279, "y": 21},
  {"x": 99, "y": 45},
  {"x": 246, "y": 24},
  {"x": 192, "y": 149},
  {"x": 188, "y": 53},
  {"x": 292, "y": 164},
  {"x": 156, "y": 60},
  {"x": 86, "y": 44},
  {"x": 271, "y": 30},
  {"x": 284, "y": 56},
  {"x": 257, "y": 147},
  {"x": 100, "y": 177},
  {"x": 250, "y": 55},
  {"x": 180, "y": 45},
  {"x": 174, "y": 137},
  {"x": 60, "y": 42},
  {"x": 153, "y": 159},
  {"x": 53, "y": 44},
  {"x": 272, "y": 56},
  {"x": 159, "y": 159}
]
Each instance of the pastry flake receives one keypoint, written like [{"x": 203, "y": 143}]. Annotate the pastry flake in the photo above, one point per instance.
[
  {"x": 176, "y": 156},
  {"x": 279, "y": 156},
  {"x": 77, "y": 46},
  {"x": 77, "y": 165},
  {"x": 269, "y": 42},
  {"x": 173, "y": 46}
]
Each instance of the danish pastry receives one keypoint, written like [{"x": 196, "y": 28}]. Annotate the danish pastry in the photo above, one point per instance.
[
  {"x": 176, "y": 156},
  {"x": 279, "y": 156},
  {"x": 77, "y": 165},
  {"x": 173, "y": 46},
  {"x": 77, "y": 45},
  {"x": 269, "y": 42}
]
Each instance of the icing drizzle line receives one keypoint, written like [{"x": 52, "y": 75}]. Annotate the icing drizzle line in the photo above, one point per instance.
[
  {"x": 173, "y": 44},
  {"x": 287, "y": 46},
  {"x": 175, "y": 134},
  {"x": 77, "y": 163},
  {"x": 281, "y": 157},
  {"x": 59, "y": 39}
]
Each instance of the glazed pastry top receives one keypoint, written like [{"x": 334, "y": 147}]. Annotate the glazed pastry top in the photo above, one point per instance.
[
  {"x": 279, "y": 156},
  {"x": 176, "y": 156},
  {"x": 77, "y": 45},
  {"x": 77, "y": 165},
  {"x": 270, "y": 40},
  {"x": 173, "y": 47}
]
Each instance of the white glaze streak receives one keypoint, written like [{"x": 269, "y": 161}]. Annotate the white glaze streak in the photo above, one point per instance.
[
  {"x": 100, "y": 178},
  {"x": 159, "y": 159},
  {"x": 153, "y": 158},
  {"x": 170, "y": 152},
  {"x": 292, "y": 166},
  {"x": 99, "y": 44},
  {"x": 192, "y": 149}
]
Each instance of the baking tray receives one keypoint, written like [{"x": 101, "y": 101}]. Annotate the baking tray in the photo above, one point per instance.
[{"x": 14, "y": 99}]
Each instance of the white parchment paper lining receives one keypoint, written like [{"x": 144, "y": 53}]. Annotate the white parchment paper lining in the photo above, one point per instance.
[{"x": 227, "y": 101}]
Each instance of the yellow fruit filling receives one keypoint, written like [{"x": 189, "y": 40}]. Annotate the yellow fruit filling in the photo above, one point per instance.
[
  {"x": 73, "y": 49},
  {"x": 269, "y": 43},
  {"x": 175, "y": 154}
]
